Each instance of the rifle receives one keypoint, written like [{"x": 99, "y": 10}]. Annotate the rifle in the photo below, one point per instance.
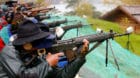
[
  {"x": 40, "y": 18},
  {"x": 69, "y": 47},
  {"x": 37, "y": 11},
  {"x": 69, "y": 44},
  {"x": 56, "y": 23},
  {"x": 42, "y": 14},
  {"x": 42, "y": 9},
  {"x": 65, "y": 29},
  {"x": 68, "y": 27}
]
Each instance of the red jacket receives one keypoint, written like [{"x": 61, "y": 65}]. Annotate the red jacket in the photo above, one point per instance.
[
  {"x": 1, "y": 44},
  {"x": 3, "y": 22}
]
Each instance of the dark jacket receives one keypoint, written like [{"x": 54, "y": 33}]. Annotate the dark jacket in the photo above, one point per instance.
[{"x": 11, "y": 66}]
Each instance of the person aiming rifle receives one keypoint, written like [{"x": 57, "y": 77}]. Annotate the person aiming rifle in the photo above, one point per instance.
[
  {"x": 21, "y": 59},
  {"x": 71, "y": 44}
]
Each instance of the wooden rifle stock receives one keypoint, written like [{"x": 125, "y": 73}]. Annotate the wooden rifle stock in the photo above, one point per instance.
[{"x": 44, "y": 9}]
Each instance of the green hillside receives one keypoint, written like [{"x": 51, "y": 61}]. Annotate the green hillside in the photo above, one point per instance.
[{"x": 106, "y": 26}]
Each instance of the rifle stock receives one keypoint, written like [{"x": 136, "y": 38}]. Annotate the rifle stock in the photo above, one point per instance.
[
  {"x": 38, "y": 10},
  {"x": 35, "y": 12}
]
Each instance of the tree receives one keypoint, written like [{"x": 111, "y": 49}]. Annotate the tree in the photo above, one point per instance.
[
  {"x": 72, "y": 3},
  {"x": 131, "y": 2},
  {"x": 84, "y": 8},
  {"x": 41, "y": 3},
  {"x": 124, "y": 2},
  {"x": 21, "y": 1},
  {"x": 96, "y": 14}
]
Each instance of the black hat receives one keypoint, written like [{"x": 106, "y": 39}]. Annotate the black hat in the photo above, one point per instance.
[
  {"x": 28, "y": 32},
  {"x": 43, "y": 27}
]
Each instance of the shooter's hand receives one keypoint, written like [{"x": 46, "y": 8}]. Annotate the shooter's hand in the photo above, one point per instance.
[
  {"x": 85, "y": 48},
  {"x": 53, "y": 59}
]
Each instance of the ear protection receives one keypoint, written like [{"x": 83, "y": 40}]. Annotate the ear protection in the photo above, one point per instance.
[
  {"x": 41, "y": 52},
  {"x": 27, "y": 46}
]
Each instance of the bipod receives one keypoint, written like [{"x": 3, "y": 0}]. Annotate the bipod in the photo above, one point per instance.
[
  {"x": 106, "y": 59},
  {"x": 115, "y": 60},
  {"x": 129, "y": 44},
  {"x": 78, "y": 30}
]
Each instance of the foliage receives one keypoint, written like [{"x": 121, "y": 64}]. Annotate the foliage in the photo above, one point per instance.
[
  {"x": 105, "y": 25},
  {"x": 96, "y": 14},
  {"x": 124, "y": 2},
  {"x": 41, "y": 3},
  {"x": 70, "y": 13},
  {"x": 84, "y": 8},
  {"x": 21, "y": 1},
  {"x": 72, "y": 3},
  {"x": 131, "y": 2}
]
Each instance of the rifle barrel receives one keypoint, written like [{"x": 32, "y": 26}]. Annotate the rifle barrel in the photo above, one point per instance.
[
  {"x": 67, "y": 27},
  {"x": 71, "y": 26},
  {"x": 56, "y": 23}
]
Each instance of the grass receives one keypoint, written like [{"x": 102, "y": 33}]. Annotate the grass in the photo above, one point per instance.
[{"x": 106, "y": 26}]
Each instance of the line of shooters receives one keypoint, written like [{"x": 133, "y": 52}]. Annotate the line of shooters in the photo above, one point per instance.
[
  {"x": 26, "y": 46},
  {"x": 35, "y": 50},
  {"x": 17, "y": 13}
]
